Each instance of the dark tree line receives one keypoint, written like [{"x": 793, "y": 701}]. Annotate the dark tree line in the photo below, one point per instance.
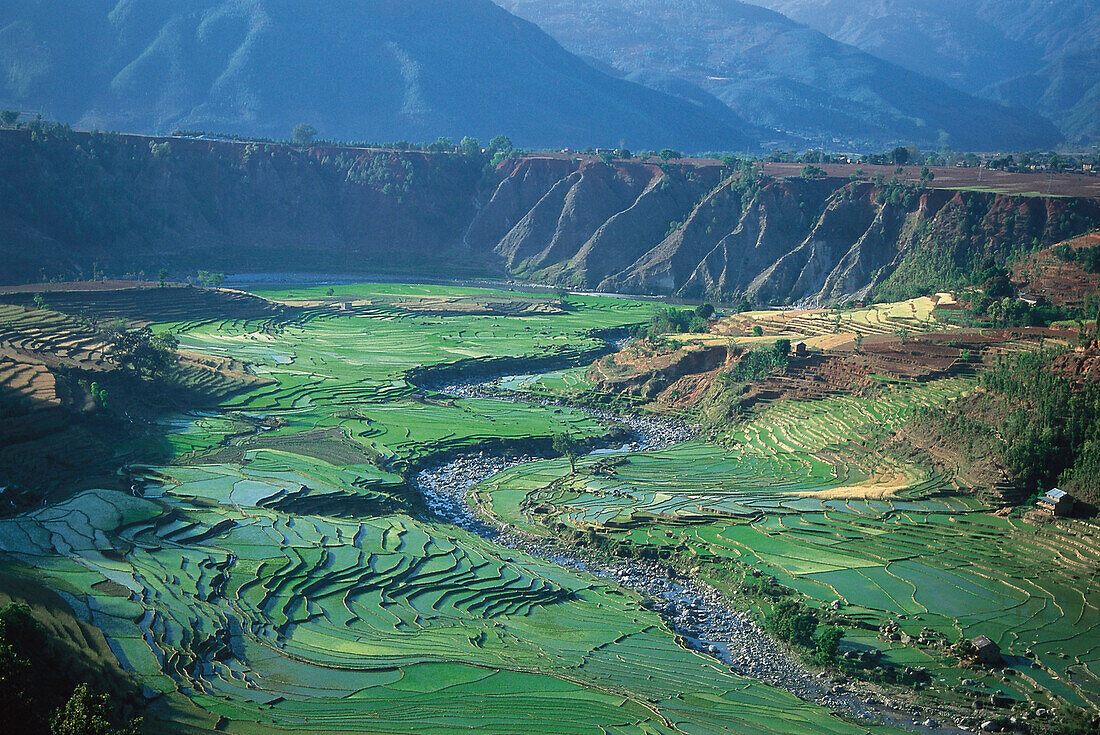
[{"x": 45, "y": 691}]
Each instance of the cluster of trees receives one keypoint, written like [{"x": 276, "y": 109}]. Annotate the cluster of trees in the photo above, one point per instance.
[
  {"x": 1087, "y": 257},
  {"x": 670, "y": 320},
  {"x": 758, "y": 363},
  {"x": 897, "y": 193},
  {"x": 1051, "y": 427},
  {"x": 793, "y": 622},
  {"x": 103, "y": 208},
  {"x": 207, "y": 279},
  {"x": 995, "y": 303},
  {"x": 43, "y": 690},
  {"x": 813, "y": 173},
  {"x": 1037, "y": 161},
  {"x": 142, "y": 353},
  {"x": 1040, "y": 426}
]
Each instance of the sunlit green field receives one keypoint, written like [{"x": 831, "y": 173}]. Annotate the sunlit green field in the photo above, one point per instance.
[
  {"x": 279, "y": 576},
  {"x": 789, "y": 496}
]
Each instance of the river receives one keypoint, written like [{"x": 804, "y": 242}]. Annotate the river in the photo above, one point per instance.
[{"x": 704, "y": 619}]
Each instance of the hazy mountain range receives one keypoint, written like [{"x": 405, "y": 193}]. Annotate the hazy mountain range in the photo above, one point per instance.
[
  {"x": 700, "y": 75},
  {"x": 1043, "y": 55},
  {"x": 781, "y": 74},
  {"x": 377, "y": 70}
]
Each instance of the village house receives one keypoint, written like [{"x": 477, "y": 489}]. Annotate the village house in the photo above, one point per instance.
[
  {"x": 986, "y": 652},
  {"x": 1028, "y": 299},
  {"x": 1057, "y": 502}
]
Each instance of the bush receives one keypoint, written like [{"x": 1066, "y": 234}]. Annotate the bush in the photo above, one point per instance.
[
  {"x": 793, "y": 622},
  {"x": 704, "y": 311},
  {"x": 827, "y": 644},
  {"x": 670, "y": 320}
]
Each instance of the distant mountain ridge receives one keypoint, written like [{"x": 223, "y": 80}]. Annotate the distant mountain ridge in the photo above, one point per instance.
[
  {"x": 1037, "y": 54},
  {"x": 354, "y": 69},
  {"x": 778, "y": 73}
]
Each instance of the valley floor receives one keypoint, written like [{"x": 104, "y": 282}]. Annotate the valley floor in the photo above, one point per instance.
[{"x": 299, "y": 556}]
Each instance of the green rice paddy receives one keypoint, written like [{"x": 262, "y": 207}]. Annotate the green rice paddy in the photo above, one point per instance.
[
  {"x": 277, "y": 577},
  {"x": 885, "y": 541}
]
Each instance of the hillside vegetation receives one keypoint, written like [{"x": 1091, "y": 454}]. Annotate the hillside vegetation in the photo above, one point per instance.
[{"x": 638, "y": 225}]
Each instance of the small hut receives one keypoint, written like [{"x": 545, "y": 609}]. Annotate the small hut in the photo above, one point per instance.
[
  {"x": 1057, "y": 502},
  {"x": 986, "y": 652}
]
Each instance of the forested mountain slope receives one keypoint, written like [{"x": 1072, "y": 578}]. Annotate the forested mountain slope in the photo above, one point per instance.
[
  {"x": 690, "y": 228},
  {"x": 781, "y": 74},
  {"x": 355, "y": 70}
]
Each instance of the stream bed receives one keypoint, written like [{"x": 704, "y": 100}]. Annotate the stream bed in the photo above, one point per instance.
[{"x": 704, "y": 619}]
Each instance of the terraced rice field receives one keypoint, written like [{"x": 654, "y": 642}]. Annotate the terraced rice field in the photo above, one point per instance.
[
  {"x": 874, "y": 535},
  {"x": 825, "y": 328},
  {"x": 380, "y": 625},
  {"x": 277, "y": 576}
]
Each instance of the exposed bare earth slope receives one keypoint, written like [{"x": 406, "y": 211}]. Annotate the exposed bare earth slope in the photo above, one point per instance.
[{"x": 684, "y": 227}]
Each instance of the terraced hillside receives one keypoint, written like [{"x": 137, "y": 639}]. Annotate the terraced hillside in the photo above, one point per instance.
[
  {"x": 276, "y": 575},
  {"x": 814, "y": 494},
  {"x": 308, "y": 624}
]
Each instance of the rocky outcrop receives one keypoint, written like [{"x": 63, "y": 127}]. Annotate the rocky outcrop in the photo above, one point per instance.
[{"x": 72, "y": 203}]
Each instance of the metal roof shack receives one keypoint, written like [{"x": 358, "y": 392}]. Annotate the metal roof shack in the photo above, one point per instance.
[{"x": 1057, "y": 502}]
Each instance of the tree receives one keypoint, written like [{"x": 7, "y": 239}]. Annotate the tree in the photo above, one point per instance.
[
  {"x": 303, "y": 134},
  {"x": 88, "y": 714},
  {"x": 469, "y": 147},
  {"x": 567, "y": 446},
  {"x": 501, "y": 144},
  {"x": 900, "y": 156},
  {"x": 704, "y": 311},
  {"x": 9, "y": 117},
  {"x": 442, "y": 144},
  {"x": 926, "y": 175},
  {"x": 143, "y": 353},
  {"x": 757, "y": 331},
  {"x": 827, "y": 644},
  {"x": 162, "y": 276},
  {"x": 859, "y": 342},
  {"x": 668, "y": 154},
  {"x": 561, "y": 293},
  {"x": 783, "y": 347},
  {"x": 812, "y": 172},
  {"x": 39, "y": 301},
  {"x": 607, "y": 156},
  {"x": 624, "y": 154}
]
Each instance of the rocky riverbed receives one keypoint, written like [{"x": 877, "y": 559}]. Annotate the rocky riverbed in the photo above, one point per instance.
[{"x": 702, "y": 617}]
